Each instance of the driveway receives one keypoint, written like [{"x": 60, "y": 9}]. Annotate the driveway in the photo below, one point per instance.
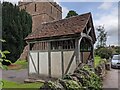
[
  {"x": 111, "y": 81},
  {"x": 15, "y": 75}
]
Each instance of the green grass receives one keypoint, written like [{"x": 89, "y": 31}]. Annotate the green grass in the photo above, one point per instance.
[
  {"x": 19, "y": 64},
  {"x": 97, "y": 61},
  {"x": 9, "y": 84},
  {"x": 23, "y": 63}
]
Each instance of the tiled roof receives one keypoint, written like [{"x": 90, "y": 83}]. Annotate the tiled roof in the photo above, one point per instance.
[{"x": 63, "y": 27}]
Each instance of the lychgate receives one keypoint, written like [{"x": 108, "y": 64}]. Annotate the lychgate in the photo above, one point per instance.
[{"x": 58, "y": 47}]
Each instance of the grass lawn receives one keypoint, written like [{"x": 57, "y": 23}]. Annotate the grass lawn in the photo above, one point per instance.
[
  {"x": 9, "y": 84},
  {"x": 97, "y": 60},
  {"x": 23, "y": 63},
  {"x": 20, "y": 64}
]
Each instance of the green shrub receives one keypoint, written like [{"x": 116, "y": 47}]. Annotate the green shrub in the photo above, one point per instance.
[
  {"x": 49, "y": 85},
  {"x": 3, "y": 56},
  {"x": 83, "y": 78},
  {"x": 105, "y": 53},
  {"x": 93, "y": 81},
  {"x": 68, "y": 77},
  {"x": 70, "y": 84}
]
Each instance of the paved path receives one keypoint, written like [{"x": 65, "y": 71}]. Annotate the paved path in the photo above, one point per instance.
[
  {"x": 112, "y": 79},
  {"x": 15, "y": 75}
]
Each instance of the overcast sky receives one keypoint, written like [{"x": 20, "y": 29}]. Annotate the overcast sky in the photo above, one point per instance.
[{"x": 103, "y": 13}]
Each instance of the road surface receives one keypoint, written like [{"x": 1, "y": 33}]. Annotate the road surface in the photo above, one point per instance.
[
  {"x": 112, "y": 80},
  {"x": 15, "y": 75}
]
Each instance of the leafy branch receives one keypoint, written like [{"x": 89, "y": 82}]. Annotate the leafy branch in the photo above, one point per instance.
[{"x": 3, "y": 56}]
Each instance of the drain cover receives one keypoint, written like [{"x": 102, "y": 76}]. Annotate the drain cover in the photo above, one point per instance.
[{"x": 12, "y": 77}]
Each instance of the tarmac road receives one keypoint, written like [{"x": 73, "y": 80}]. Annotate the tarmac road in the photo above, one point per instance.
[
  {"x": 112, "y": 80},
  {"x": 15, "y": 75}
]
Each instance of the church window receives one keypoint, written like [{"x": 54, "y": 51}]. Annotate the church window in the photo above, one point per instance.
[{"x": 35, "y": 7}]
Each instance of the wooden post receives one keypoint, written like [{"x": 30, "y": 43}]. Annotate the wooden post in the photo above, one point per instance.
[
  {"x": 49, "y": 58},
  {"x": 77, "y": 50},
  {"x": 28, "y": 58},
  {"x": 62, "y": 62},
  {"x": 82, "y": 57},
  {"x": 38, "y": 64},
  {"x": 93, "y": 55}
]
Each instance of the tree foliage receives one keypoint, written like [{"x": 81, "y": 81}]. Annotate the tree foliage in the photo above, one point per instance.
[
  {"x": 3, "y": 57},
  {"x": 117, "y": 49},
  {"x": 16, "y": 25},
  {"x": 102, "y": 37},
  {"x": 104, "y": 52},
  {"x": 71, "y": 13}
]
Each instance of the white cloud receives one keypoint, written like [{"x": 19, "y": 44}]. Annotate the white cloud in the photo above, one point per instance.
[
  {"x": 68, "y": 0},
  {"x": 64, "y": 12},
  {"x": 110, "y": 22},
  {"x": 12, "y": 1},
  {"x": 57, "y": 1},
  {"x": 105, "y": 5}
]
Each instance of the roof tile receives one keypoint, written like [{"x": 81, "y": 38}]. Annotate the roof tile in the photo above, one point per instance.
[{"x": 63, "y": 27}]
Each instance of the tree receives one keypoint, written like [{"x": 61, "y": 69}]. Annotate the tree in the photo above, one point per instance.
[
  {"x": 117, "y": 49},
  {"x": 105, "y": 53},
  {"x": 16, "y": 25},
  {"x": 71, "y": 13},
  {"x": 102, "y": 37}
]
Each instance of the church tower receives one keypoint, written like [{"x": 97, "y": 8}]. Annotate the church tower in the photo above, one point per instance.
[{"x": 42, "y": 12}]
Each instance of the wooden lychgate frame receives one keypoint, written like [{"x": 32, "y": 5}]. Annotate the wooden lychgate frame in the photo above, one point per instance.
[{"x": 78, "y": 38}]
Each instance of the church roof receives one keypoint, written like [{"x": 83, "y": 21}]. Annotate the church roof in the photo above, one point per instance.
[{"x": 63, "y": 27}]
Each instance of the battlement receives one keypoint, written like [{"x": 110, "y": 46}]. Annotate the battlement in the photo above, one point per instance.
[
  {"x": 56, "y": 5},
  {"x": 26, "y": 2},
  {"x": 23, "y": 3}
]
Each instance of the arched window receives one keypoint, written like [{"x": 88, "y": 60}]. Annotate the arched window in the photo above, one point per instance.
[{"x": 85, "y": 45}]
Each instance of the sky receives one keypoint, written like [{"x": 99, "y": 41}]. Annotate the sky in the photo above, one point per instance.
[{"x": 104, "y": 12}]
